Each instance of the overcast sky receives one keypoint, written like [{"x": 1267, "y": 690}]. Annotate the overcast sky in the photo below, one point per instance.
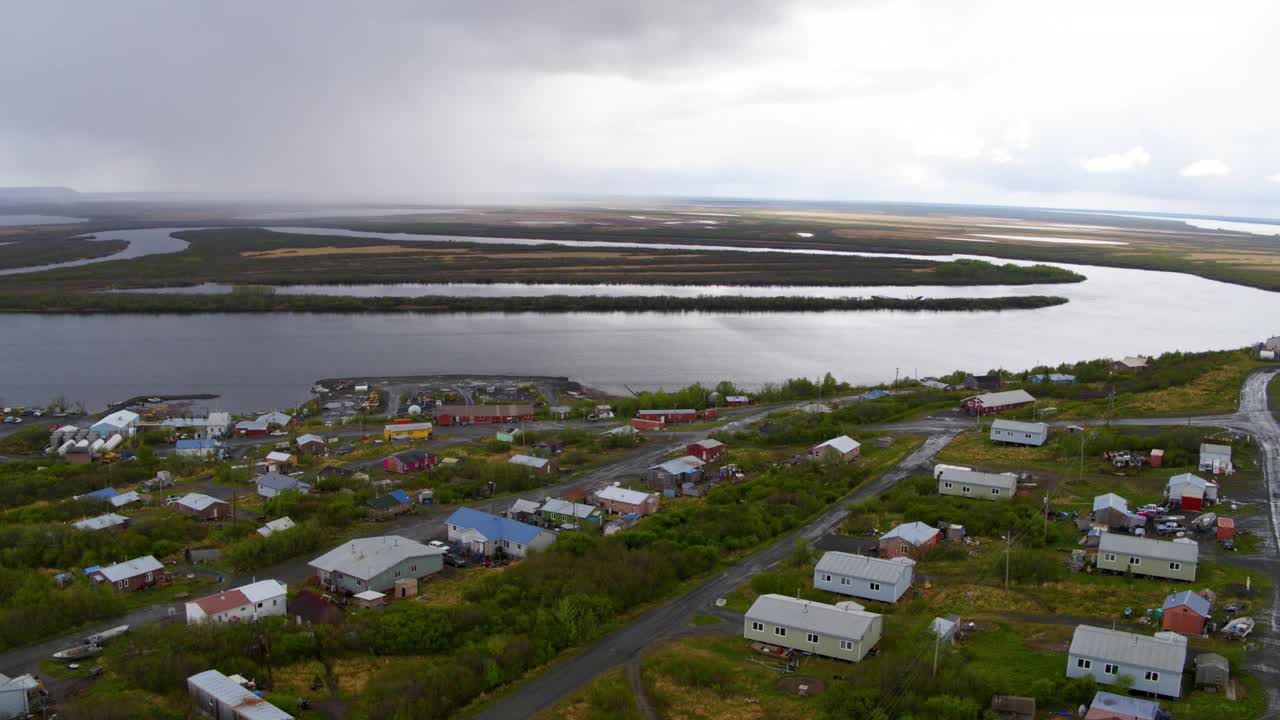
[{"x": 1120, "y": 105}]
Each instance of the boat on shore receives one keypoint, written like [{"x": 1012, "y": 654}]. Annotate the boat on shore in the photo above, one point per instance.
[
  {"x": 106, "y": 635},
  {"x": 78, "y": 652}
]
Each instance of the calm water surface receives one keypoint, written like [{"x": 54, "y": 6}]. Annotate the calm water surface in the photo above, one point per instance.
[{"x": 270, "y": 360}]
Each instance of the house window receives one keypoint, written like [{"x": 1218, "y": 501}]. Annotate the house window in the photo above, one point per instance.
[
  {"x": 120, "y": 584},
  {"x": 1028, "y": 436},
  {"x": 966, "y": 489},
  {"x": 875, "y": 586},
  {"x": 780, "y": 631},
  {"x": 826, "y": 578},
  {"x": 811, "y": 637},
  {"x": 995, "y": 491},
  {"x": 1135, "y": 560},
  {"x": 274, "y": 603},
  {"x": 1175, "y": 566},
  {"x": 259, "y": 605},
  {"x": 1153, "y": 676},
  {"x": 1084, "y": 664},
  {"x": 844, "y": 580},
  {"x": 1110, "y": 669},
  {"x": 519, "y": 546},
  {"x": 946, "y": 485},
  {"x": 846, "y": 644},
  {"x": 413, "y": 568},
  {"x": 1109, "y": 557},
  {"x": 757, "y": 626}
]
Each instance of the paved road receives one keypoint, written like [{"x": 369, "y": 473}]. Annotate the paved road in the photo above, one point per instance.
[{"x": 546, "y": 689}]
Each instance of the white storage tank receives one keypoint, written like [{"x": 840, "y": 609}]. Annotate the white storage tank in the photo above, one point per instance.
[
  {"x": 113, "y": 443},
  {"x": 64, "y": 447},
  {"x": 96, "y": 446}
]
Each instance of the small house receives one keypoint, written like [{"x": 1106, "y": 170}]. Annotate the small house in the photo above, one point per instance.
[
  {"x": 132, "y": 575},
  {"x": 203, "y": 507},
  {"x": 561, "y": 512},
  {"x": 408, "y": 461},
  {"x": 1212, "y": 671},
  {"x": 370, "y": 599},
  {"x": 310, "y": 444},
  {"x": 1131, "y": 364},
  {"x": 196, "y": 448},
  {"x": 1145, "y": 556},
  {"x": 838, "y": 449},
  {"x": 407, "y": 431},
  {"x": 218, "y": 697},
  {"x": 864, "y": 577},
  {"x": 277, "y": 460},
  {"x": 508, "y": 435},
  {"x": 486, "y": 535},
  {"x": 125, "y": 498},
  {"x": 1153, "y": 662},
  {"x": 674, "y": 474},
  {"x": 991, "y": 403},
  {"x": 983, "y": 382},
  {"x": 272, "y": 484},
  {"x": 1032, "y": 434},
  {"x": 19, "y": 696},
  {"x": 265, "y": 598},
  {"x": 1155, "y": 458},
  {"x": 536, "y": 465},
  {"x": 1111, "y": 706},
  {"x": 643, "y": 424},
  {"x": 1113, "y": 511},
  {"x": 275, "y": 526},
  {"x": 217, "y": 424},
  {"x": 1216, "y": 459},
  {"x": 376, "y": 563},
  {"x": 971, "y": 484},
  {"x": 620, "y": 500},
  {"x": 523, "y": 510},
  {"x": 908, "y": 540},
  {"x": 706, "y": 450},
  {"x": 101, "y": 522},
  {"x": 385, "y": 507},
  {"x": 818, "y": 628},
  {"x": 103, "y": 495},
  {"x": 737, "y": 400},
  {"x": 1184, "y": 612},
  {"x": 1192, "y": 491},
  {"x": 252, "y": 428}
]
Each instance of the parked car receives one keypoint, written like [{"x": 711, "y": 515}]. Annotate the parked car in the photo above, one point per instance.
[
  {"x": 454, "y": 560},
  {"x": 438, "y": 544},
  {"x": 1149, "y": 507},
  {"x": 1171, "y": 527}
]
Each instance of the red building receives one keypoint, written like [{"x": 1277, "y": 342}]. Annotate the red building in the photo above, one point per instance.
[
  {"x": 409, "y": 461},
  {"x": 706, "y": 450},
  {"x": 908, "y": 540},
  {"x": 669, "y": 417},
  {"x": 642, "y": 424},
  {"x": 1226, "y": 528},
  {"x": 992, "y": 403},
  {"x": 710, "y": 413},
  {"x": 135, "y": 574},
  {"x": 202, "y": 506},
  {"x": 482, "y": 414},
  {"x": 737, "y": 400},
  {"x": 1184, "y": 612}
]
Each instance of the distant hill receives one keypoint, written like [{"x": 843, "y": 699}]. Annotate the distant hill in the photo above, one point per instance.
[{"x": 13, "y": 195}]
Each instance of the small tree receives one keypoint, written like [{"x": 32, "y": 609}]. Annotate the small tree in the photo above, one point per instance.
[{"x": 801, "y": 553}]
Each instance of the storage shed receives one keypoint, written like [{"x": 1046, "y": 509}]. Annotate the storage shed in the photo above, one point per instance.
[
  {"x": 991, "y": 403},
  {"x": 1212, "y": 671},
  {"x": 1032, "y": 434},
  {"x": 1184, "y": 612}
]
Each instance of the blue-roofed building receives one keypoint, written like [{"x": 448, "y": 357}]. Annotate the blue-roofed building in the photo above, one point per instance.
[
  {"x": 486, "y": 535},
  {"x": 396, "y": 502},
  {"x": 105, "y": 494},
  {"x": 873, "y": 394},
  {"x": 197, "y": 447}
]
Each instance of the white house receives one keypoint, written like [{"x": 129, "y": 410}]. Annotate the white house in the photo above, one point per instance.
[
  {"x": 1154, "y": 662},
  {"x": 1216, "y": 459},
  {"x": 264, "y": 598},
  {"x": 844, "y": 633},
  {"x": 277, "y": 525},
  {"x": 864, "y": 577},
  {"x": 984, "y": 486},
  {"x": 488, "y": 535},
  {"x": 124, "y": 498},
  {"x": 840, "y": 449},
  {"x": 16, "y": 694},
  {"x": 218, "y": 425},
  {"x": 1188, "y": 485},
  {"x": 1033, "y": 434}
]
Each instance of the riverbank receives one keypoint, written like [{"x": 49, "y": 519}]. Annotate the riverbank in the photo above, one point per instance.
[{"x": 252, "y": 302}]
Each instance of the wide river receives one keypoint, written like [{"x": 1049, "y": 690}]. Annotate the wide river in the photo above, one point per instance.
[{"x": 269, "y": 360}]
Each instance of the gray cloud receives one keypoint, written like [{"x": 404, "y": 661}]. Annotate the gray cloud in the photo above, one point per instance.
[{"x": 877, "y": 100}]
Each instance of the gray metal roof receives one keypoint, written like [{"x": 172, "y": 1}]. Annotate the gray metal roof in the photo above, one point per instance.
[
  {"x": 1008, "y": 397},
  {"x": 1211, "y": 660},
  {"x": 276, "y": 481},
  {"x": 1162, "y": 651},
  {"x": 863, "y": 567},
  {"x": 101, "y": 522},
  {"x": 197, "y": 501},
  {"x": 528, "y": 461},
  {"x": 916, "y": 533},
  {"x": 1212, "y": 449},
  {"x": 710, "y": 444},
  {"x": 981, "y": 479},
  {"x": 1110, "y": 500},
  {"x": 232, "y": 694},
  {"x": 842, "y": 444},
  {"x": 364, "y": 558},
  {"x": 1136, "y": 708},
  {"x": 131, "y": 568},
  {"x": 811, "y": 616},
  {"x": 1017, "y": 426},
  {"x": 1148, "y": 548}
]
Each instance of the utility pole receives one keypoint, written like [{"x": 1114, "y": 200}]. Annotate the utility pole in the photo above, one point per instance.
[{"x": 1008, "y": 547}]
